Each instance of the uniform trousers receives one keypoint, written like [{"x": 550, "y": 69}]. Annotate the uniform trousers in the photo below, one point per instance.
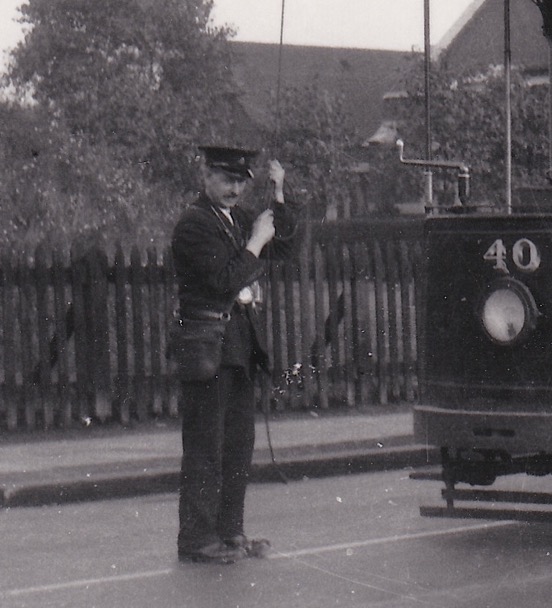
[{"x": 218, "y": 435}]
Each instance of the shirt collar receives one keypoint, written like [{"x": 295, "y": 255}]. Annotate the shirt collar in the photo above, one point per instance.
[{"x": 227, "y": 213}]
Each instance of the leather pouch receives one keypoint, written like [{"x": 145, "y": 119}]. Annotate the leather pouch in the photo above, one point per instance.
[{"x": 194, "y": 348}]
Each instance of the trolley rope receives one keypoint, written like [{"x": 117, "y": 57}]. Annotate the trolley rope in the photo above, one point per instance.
[{"x": 265, "y": 400}]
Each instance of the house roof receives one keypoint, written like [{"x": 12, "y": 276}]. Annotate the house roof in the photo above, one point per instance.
[
  {"x": 366, "y": 77},
  {"x": 363, "y": 76},
  {"x": 477, "y": 40}
]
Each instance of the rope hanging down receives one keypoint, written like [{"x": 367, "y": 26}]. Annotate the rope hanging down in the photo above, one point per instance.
[
  {"x": 268, "y": 196},
  {"x": 279, "y": 79}
]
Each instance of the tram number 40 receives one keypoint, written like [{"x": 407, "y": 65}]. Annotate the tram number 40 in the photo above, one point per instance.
[{"x": 525, "y": 255}]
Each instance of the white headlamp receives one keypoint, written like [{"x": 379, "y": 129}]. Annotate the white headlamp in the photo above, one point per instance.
[{"x": 508, "y": 312}]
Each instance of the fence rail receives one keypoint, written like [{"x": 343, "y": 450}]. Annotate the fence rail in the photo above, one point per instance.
[{"x": 83, "y": 336}]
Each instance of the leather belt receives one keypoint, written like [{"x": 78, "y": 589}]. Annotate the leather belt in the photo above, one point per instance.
[{"x": 204, "y": 315}]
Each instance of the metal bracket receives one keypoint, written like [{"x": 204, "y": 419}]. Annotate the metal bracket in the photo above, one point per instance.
[{"x": 462, "y": 168}]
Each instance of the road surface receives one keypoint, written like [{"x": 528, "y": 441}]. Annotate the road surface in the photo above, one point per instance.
[{"x": 351, "y": 541}]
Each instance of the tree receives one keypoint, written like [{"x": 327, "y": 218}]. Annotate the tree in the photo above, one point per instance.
[
  {"x": 314, "y": 136},
  {"x": 54, "y": 186},
  {"x": 145, "y": 77},
  {"x": 122, "y": 93},
  {"x": 469, "y": 124}
]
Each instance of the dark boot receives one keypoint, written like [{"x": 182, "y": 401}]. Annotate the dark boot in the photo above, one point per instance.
[
  {"x": 216, "y": 553},
  {"x": 253, "y": 547}
]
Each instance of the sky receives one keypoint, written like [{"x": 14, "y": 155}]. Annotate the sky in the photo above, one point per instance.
[{"x": 374, "y": 24}]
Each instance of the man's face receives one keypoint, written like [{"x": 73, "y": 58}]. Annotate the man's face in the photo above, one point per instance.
[{"x": 223, "y": 188}]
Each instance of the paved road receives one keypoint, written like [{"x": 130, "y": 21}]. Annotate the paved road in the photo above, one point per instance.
[{"x": 353, "y": 541}]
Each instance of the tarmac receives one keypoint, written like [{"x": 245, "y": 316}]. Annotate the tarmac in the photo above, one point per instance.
[{"x": 110, "y": 461}]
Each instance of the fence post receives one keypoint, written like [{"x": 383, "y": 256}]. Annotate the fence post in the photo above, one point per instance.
[
  {"x": 381, "y": 334},
  {"x": 170, "y": 303},
  {"x": 155, "y": 309},
  {"x": 26, "y": 319},
  {"x": 362, "y": 263},
  {"x": 79, "y": 279},
  {"x": 136, "y": 277},
  {"x": 336, "y": 305},
  {"x": 319, "y": 346},
  {"x": 393, "y": 289},
  {"x": 305, "y": 257},
  {"x": 43, "y": 377},
  {"x": 409, "y": 339},
  {"x": 9, "y": 320},
  {"x": 64, "y": 326},
  {"x": 291, "y": 329},
  {"x": 350, "y": 361},
  {"x": 122, "y": 383},
  {"x": 98, "y": 324},
  {"x": 420, "y": 299},
  {"x": 275, "y": 275}
]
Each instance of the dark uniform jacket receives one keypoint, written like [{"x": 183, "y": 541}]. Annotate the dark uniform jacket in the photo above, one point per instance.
[{"x": 212, "y": 266}]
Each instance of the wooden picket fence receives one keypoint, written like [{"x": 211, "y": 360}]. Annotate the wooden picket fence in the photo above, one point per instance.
[{"x": 83, "y": 337}]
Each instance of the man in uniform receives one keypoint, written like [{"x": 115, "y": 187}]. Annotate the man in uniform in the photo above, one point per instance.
[{"x": 218, "y": 251}]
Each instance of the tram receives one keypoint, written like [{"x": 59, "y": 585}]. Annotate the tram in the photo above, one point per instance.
[{"x": 486, "y": 349}]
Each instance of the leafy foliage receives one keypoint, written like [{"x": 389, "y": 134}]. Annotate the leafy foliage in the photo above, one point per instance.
[
  {"x": 315, "y": 135},
  {"x": 122, "y": 92},
  {"x": 469, "y": 124}
]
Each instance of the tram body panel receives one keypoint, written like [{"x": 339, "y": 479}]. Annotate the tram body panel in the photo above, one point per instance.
[
  {"x": 516, "y": 432},
  {"x": 487, "y": 343}
]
